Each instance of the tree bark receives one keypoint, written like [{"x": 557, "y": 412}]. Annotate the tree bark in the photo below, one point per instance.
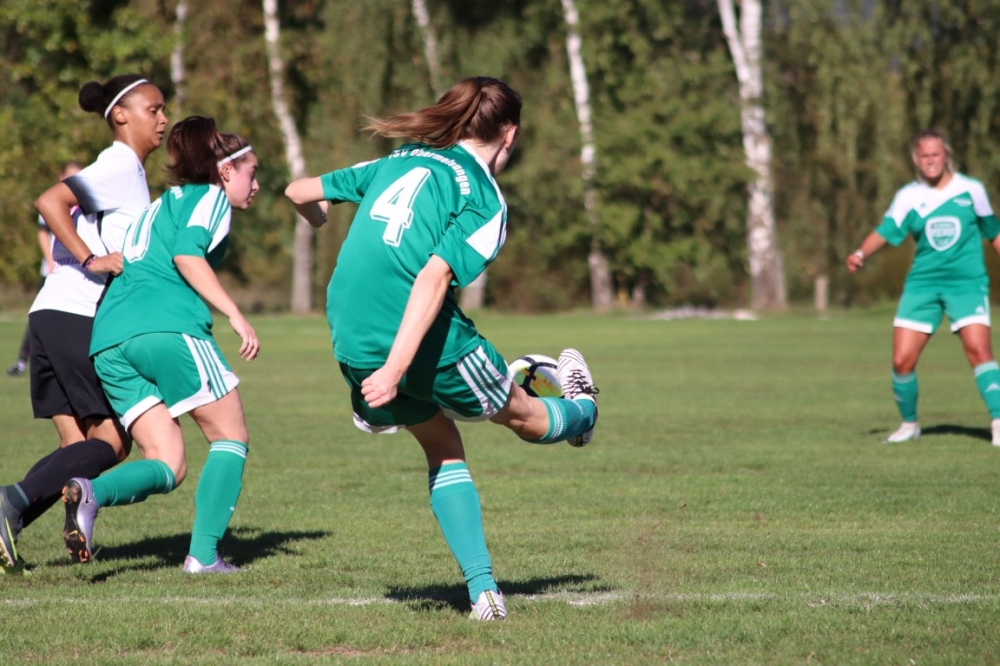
[
  {"x": 302, "y": 248},
  {"x": 601, "y": 287},
  {"x": 767, "y": 275},
  {"x": 430, "y": 45},
  {"x": 177, "y": 54}
]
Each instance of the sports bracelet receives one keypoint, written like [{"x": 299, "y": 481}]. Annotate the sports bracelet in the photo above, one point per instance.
[{"x": 88, "y": 261}]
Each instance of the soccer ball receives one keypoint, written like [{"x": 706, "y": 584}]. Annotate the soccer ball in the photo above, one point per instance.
[{"x": 536, "y": 374}]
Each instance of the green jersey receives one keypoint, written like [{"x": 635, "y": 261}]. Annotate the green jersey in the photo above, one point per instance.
[
  {"x": 414, "y": 203},
  {"x": 150, "y": 295},
  {"x": 948, "y": 226}
]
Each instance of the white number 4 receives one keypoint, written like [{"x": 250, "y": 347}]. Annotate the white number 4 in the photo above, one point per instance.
[{"x": 395, "y": 205}]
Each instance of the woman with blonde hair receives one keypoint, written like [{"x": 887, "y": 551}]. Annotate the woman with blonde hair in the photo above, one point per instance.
[{"x": 947, "y": 214}]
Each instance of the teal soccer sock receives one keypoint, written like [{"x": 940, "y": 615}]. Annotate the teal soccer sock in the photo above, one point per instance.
[
  {"x": 988, "y": 381},
  {"x": 133, "y": 482},
  {"x": 567, "y": 418},
  {"x": 905, "y": 390},
  {"x": 215, "y": 500},
  {"x": 455, "y": 504}
]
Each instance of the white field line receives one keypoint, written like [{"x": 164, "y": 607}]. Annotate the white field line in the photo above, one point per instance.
[{"x": 866, "y": 600}]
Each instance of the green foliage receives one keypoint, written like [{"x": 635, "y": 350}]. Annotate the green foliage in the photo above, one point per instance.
[
  {"x": 847, "y": 91},
  {"x": 673, "y": 184},
  {"x": 847, "y": 85}
]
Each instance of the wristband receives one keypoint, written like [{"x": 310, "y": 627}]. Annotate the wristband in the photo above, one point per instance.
[
  {"x": 88, "y": 261},
  {"x": 859, "y": 254}
]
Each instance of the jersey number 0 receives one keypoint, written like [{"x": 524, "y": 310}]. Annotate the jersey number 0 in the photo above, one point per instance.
[
  {"x": 139, "y": 233},
  {"x": 395, "y": 205}
]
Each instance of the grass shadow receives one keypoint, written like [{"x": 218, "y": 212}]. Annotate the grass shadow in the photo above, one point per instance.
[
  {"x": 241, "y": 546},
  {"x": 947, "y": 429},
  {"x": 961, "y": 431},
  {"x": 434, "y": 597}
]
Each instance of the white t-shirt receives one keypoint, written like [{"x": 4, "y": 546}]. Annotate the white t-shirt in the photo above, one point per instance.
[{"x": 112, "y": 193}]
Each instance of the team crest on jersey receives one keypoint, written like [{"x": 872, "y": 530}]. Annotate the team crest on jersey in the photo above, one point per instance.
[
  {"x": 963, "y": 201},
  {"x": 943, "y": 232}
]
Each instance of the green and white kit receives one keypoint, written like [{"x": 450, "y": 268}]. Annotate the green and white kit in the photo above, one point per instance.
[
  {"x": 948, "y": 275},
  {"x": 415, "y": 203},
  {"x": 152, "y": 337}
]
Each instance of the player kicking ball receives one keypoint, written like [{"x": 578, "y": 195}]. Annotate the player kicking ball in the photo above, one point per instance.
[{"x": 431, "y": 217}]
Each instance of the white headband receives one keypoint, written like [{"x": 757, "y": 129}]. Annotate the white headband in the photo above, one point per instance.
[
  {"x": 122, "y": 94},
  {"x": 239, "y": 153}
]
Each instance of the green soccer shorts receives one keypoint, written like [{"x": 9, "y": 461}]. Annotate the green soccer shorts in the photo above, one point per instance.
[
  {"x": 922, "y": 311},
  {"x": 473, "y": 389},
  {"x": 176, "y": 369}
]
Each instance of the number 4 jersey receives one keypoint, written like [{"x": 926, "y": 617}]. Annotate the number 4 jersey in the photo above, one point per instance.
[
  {"x": 150, "y": 295},
  {"x": 948, "y": 226},
  {"x": 414, "y": 203}
]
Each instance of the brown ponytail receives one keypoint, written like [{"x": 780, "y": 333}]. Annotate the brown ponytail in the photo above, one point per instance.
[
  {"x": 478, "y": 108},
  {"x": 195, "y": 147}
]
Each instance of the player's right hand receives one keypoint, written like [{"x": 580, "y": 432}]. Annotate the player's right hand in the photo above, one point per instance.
[
  {"x": 380, "y": 387},
  {"x": 854, "y": 262},
  {"x": 110, "y": 263}
]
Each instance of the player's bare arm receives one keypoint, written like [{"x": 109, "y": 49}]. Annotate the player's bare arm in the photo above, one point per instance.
[
  {"x": 422, "y": 308},
  {"x": 872, "y": 244},
  {"x": 54, "y": 205},
  {"x": 306, "y": 195},
  {"x": 201, "y": 277}
]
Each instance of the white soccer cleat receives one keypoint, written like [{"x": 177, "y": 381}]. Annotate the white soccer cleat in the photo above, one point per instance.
[
  {"x": 193, "y": 566},
  {"x": 577, "y": 384},
  {"x": 909, "y": 431},
  {"x": 995, "y": 425},
  {"x": 489, "y": 606}
]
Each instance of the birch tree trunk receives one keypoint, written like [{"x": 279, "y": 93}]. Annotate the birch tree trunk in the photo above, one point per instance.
[
  {"x": 601, "y": 289},
  {"x": 177, "y": 55},
  {"x": 430, "y": 45},
  {"x": 767, "y": 275},
  {"x": 302, "y": 248}
]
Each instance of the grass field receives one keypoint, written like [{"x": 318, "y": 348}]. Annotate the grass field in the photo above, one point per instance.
[{"x": 736, "y": 506}]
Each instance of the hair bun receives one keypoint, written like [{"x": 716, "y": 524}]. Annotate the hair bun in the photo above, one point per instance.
[{"x": 91, "y": 97}]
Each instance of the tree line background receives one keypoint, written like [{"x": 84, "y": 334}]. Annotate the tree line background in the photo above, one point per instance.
[{"x": 847, "y": 85}]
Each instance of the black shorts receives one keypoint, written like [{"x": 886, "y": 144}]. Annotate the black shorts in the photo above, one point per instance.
[{"x": 63, "y": 381}]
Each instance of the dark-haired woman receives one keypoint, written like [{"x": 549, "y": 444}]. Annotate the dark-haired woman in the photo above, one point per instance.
[
  {"x": 156, "y": 364},
  {"x": 431, "y": 217},
  {"x": 111, "y": 193},
  {"x": 948, "y": 214}
]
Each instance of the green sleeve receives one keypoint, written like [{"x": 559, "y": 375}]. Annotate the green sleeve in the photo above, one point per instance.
[
  {"x": 472, "y": 241},
  {"x": 349, "y": 184},
  {"x": 989, "y": 227},
  {"x": 893, "y": 233}
]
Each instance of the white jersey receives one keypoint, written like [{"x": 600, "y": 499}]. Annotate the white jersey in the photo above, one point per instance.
[{"x": 112, "y": 193}]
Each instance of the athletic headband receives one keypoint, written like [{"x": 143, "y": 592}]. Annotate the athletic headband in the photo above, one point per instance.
[
  {"x": 122, "y": 94},
  {"x": 239, "y": 153}
]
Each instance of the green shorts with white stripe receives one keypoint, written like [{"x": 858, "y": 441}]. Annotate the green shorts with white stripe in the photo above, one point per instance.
[
  {"x": 474, "y": 389},
  {"x": 176, "y": 369}
]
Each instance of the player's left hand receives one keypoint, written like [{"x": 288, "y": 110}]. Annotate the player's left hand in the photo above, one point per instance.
[
  {"x": 251, "y": 345},
  {"x": 380, "y": 387}
]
